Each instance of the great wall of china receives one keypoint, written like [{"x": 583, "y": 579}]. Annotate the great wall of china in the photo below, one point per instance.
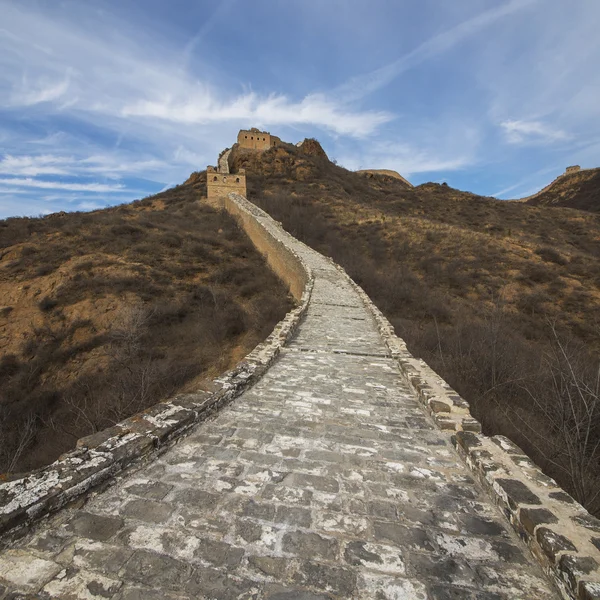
[
  {"x": 329, "y": 463},
  {"x": 568, "y": 171}
]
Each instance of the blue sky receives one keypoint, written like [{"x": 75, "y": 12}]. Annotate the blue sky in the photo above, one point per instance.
[{"x": 107, "y": 101}]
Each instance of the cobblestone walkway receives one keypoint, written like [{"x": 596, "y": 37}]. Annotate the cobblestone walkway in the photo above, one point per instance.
[{"x": 325, "y": 480}]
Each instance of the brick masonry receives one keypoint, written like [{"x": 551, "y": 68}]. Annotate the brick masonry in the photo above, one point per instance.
[{"x": 348, "y": 469}]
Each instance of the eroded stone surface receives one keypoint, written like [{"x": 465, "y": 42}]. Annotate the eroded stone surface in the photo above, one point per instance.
[{"x": 324, "y": 480}]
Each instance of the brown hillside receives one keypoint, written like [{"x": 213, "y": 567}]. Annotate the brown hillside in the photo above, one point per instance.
[
  {"x": 105, "y": 313},
  {"x": 576, "y": 190},
  {"x": 476, "y": 286}
]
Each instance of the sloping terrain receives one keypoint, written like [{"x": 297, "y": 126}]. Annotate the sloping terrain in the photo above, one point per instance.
[
  {"x": 501, "y": 298},
  {"x": 576, "y": 190},
  {"x": 105, "y": 313}
]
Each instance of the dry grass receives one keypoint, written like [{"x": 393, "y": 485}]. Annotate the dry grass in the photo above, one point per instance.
[{"x": 110, "y": 311}]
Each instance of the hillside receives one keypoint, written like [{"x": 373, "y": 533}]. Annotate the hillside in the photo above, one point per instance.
[
  {"x": 574, "y": 190},
  {"x": 105, "y": 313},
  {"x": 501, "y": 298}
]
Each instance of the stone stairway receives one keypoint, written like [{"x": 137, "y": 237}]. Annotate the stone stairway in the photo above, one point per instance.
[{"x": 324, "y": 480}]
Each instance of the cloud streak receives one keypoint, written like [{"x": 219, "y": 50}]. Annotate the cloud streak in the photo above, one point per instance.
[
  {"x": 59, "y": 185},
  {"x": 363, "y": 85},
  {"x": 531, "y": 132}
]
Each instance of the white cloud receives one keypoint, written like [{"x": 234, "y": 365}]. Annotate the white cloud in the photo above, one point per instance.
[
  {"x": 527, "y": 132},
  {"x": 123, "y": 78},
  {"x": 315, "y": 109},
  {"x": 42, "y": 90},
  {"x": 59, "y": 185},
  {"x": 406, "y": 159},
  {"x": 112, "y": 166}
]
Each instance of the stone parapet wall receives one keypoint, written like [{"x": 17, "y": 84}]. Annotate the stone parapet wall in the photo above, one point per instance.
[
  {"x": 561, "y": 534},
  {"x": 101, "y": 456},
  {"x": 282, "y": 260}
]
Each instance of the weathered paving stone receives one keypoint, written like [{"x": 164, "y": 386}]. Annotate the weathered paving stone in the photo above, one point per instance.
[
  {"x": 278, "y": 592},
  {"x": 340, "y": 581},
  {"x": 552, "y": 543},
  {"x": 147, "y": 510},
  {"x": 157, "y": 571},
  {"x": 152, "y": 490},
  {"x": 74, "y": 584},
  {"x": 307, "y": 545},
  {"x": 25, "y": 572},
  {"x": 326, "y": 480},
  {"x": 94, "y": 526}
]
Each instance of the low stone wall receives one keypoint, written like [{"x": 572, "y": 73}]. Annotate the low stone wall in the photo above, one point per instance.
[
  {"x": 284, "y": 262},
  {"x": 561, "y": 534},
  {"x": 99, "y": 457}
]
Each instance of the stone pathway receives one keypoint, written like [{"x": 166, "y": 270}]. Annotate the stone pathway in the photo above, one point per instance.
[{"x": 325, "y": 480}]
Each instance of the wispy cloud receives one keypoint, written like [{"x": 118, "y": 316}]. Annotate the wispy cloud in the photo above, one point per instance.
[
  {"x": 42, "y": 90},
  {"x": 362, "y": 85},
  {"x": 314, "y": 109},
  {"x": 128, "y": 84},
  {"x": 59, "y": 185},
  {"x": 409, "y": 159},
  {"x": 531, "y": 132},
  {"x": 108, "y": 165},
  {"x": 134, "y": 98}
]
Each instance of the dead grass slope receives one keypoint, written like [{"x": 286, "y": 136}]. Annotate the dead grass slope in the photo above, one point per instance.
[
  {"x": 577, "y": 190},
  {"x": 105, "y": 313}
]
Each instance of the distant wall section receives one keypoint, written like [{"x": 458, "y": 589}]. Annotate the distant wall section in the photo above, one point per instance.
[{"x": 568, "y": 171}]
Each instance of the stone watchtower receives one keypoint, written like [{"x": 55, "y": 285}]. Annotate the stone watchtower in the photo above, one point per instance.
[
  {"x": 220, "y": 184},
  {"x": 254, "y": 139},
  {"x": 573, "y": 169}
]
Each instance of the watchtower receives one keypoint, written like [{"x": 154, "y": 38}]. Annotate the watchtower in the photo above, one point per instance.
[
  {"x": 573, "y": 169},
  {"x": 254, "y": 139},
  {"x": 220, "y": 184}
]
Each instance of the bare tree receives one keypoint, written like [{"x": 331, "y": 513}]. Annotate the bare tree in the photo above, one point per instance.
[
  {"x": 16, "y": 438},
  {"x": 567, "y": 400}
]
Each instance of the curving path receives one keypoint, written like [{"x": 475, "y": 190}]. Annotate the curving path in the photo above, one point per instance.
[{"x": 324, "y": 480}]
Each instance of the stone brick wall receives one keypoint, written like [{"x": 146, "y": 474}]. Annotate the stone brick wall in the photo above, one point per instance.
[{"x": 280, "y": 258}]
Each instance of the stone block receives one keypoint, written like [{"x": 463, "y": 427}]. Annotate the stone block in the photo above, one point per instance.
[
  {"x": 515, "y": 492},
  {"x": 553, "y": 543},
  {"x": 337, "y": 580},
  {"x": 149, "y": 511},
  {"x": 530, "y": 518},
  {"x": 93, "y": 526},
  {"x": 157, "y": 571},
  {"x": 308, "y": 545},
  {"x": 573, "y": 569}
]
